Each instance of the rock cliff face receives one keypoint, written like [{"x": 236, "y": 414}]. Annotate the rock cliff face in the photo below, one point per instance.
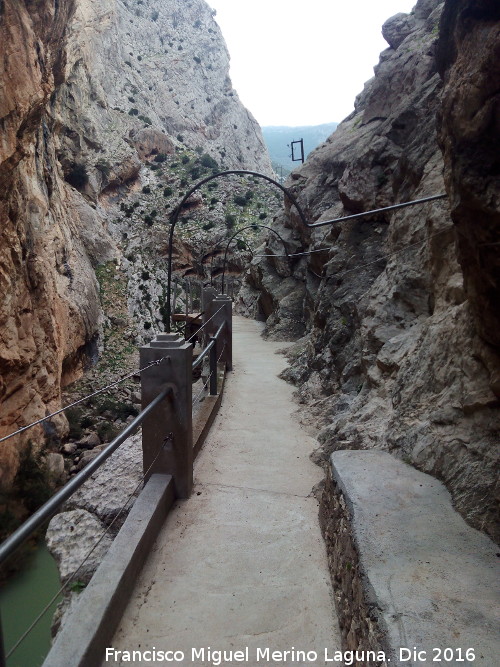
[
  {"x": 90, "y": 93},
  {"x": 399, "y": 347},
  {"x": 47, "y": 314}
]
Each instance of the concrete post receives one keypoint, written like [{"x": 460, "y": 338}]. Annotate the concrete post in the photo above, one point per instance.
[
  {"x": 207, "y": 295},
  {"x": 221, "y": 308},
  {"x": 173, "y": 415}
]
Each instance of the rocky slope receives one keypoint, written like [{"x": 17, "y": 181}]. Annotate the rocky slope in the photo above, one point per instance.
[
  {"x": 95, "y": 97},
  {"x": 399, "y": 335}
]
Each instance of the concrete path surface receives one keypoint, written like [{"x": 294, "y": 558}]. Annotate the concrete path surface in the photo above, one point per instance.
[{"x": 240, "y": 566}]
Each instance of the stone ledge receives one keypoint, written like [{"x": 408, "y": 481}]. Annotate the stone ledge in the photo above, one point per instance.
[
  {"x": 406, "y": 569},
  {"x": 90, "y": 625}
]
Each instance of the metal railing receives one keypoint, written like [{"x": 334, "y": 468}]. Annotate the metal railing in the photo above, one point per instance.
[
  {"x": 169, "y": 424},
  {"x": 241, "y": 172},
  {"x": 53, "y": 504}
]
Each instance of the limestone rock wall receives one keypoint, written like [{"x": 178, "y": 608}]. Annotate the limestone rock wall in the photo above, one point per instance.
[
  {"x": 49, "y": 308},
  {"x": 397, "y": 353},
  {"x": 146, "y": 77},
  {"x": 89, "y": 92}
]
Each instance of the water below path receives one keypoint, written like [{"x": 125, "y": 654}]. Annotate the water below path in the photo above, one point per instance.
[{"x": 21, "y": 600}]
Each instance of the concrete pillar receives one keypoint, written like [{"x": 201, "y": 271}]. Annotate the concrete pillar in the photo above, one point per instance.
[
  {"x": 224, "y": 305},
  {"x": 173, "y": 415},
  {"x": 207, "y": 294}
]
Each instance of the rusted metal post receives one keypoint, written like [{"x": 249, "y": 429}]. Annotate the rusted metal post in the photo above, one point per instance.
[
  {"x": 175, "y": 297},
  {"x": 220, "y": 310},
  {"x": 213, "y": 369},
  {"x": 167, "y": 432}
]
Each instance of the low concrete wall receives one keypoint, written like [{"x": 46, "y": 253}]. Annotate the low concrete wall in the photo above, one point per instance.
[
  {"x": 90, "y": 626},
  {"x": 411, "y": 579}
]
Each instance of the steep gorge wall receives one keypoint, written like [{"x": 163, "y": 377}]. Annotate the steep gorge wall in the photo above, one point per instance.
[
  {"x": 398, "y": 350},
  {"x": 90, "y": 91},
  {"x": 46, "y": 315}
]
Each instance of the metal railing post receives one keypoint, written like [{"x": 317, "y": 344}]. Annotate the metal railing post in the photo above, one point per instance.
[
  {"x": 220, "y": 310},
  {"x": 169, "y": 425},
  {"x": 213, "y": 368}
]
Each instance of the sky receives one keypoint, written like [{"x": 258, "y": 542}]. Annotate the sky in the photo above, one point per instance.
[{"x": 302, "y": 62}]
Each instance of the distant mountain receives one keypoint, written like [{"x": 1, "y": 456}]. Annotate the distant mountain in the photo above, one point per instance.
[{"x": 279, "y": 137}]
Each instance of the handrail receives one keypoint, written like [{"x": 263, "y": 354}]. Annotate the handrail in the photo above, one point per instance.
[
  {"x": 200, "y": 358},
  {"x": 364, "y": 214},
  {"x": 49, "y": 508},
  {"x": 242, "y": 172},
  {"x": 207, "y": 349}
]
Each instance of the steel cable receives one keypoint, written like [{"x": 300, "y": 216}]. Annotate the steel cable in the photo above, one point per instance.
[
  {"x": 198, "y": 396},
  {"x": 382, "y": 257},
  {"x": 87, "y": 556},
  {"x": 82, "y": 400}
]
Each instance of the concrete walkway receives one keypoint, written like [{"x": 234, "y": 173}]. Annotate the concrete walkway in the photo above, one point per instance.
[{"x": 241, "y": 565}]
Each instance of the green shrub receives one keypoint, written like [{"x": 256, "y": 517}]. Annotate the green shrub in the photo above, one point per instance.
[
  {"x": 87, "y": 422},
  {"x": 262, "y": 216},
  {"x": 107, "y": 431},
  {"x": 146, "y": 189},
  {"x": 239, "y": 200},
  {"x": 161, "y": 157},
  {"x": 230, "y": 221},
  {"x": 74, "y": 417},
  {"x": 32, "y": 481},
  {"x": 167, "y": 192},
  {"x": 133, "y": 112},
  {"x": 207, "y": 161}
]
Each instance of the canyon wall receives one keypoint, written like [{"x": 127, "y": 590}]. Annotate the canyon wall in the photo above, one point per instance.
[
  {"x": 90, "y": 93},
  {"x": 398, "y": 332}
]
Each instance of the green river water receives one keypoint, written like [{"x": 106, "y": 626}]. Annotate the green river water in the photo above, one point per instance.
[{"x": 21, "y": 600}]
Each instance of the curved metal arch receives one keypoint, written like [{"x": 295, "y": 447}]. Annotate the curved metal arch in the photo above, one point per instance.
[
  {"x": 243, "y": 172},
  {"x": 176, "y": 212},
  {"x": 242, "y": 230}
]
